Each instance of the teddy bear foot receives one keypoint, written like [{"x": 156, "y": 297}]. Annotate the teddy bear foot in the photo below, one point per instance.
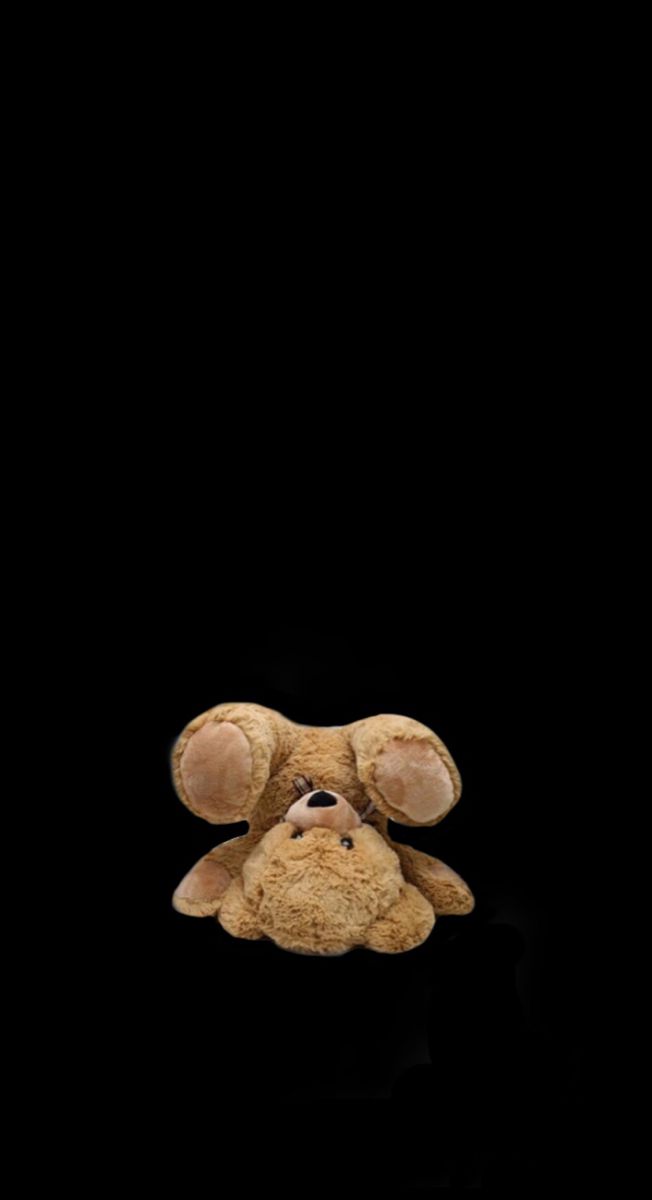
[
  {"x": 215, "y": 770},
  {"x": 413, "y": 781}
]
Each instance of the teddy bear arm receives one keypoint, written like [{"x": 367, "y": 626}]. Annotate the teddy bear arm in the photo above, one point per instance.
[
  {"x": 201, "y": 892},
  {"x": 406, "y": 925},
  {"x": 445, "y": 890},
  {"x": 237, "y": 915}
]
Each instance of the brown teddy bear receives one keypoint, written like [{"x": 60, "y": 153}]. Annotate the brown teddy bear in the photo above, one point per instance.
[{"x": 317, "y": 870}]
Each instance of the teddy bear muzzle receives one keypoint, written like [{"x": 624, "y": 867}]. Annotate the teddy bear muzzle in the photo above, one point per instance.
[{"x": 329, "y": 810}]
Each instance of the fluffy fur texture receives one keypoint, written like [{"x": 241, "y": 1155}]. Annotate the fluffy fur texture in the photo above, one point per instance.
[
  {"x": 320, "y": 893},
  {"x": 245, "y": 762}
]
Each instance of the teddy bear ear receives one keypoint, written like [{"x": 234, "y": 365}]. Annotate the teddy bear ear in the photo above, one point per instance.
[
  {"x": 222, "y": 760},
  {"x": 405, "y": 769}
]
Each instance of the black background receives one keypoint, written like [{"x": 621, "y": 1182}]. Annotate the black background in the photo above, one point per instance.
[
  {"x": 468, "y": 1061},
  {"x": 451, "y": 561}
]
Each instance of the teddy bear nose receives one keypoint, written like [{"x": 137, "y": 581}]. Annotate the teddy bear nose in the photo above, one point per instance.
[
  {"x": 323, "y": 810},
  {"x": 322, "y": 800}
]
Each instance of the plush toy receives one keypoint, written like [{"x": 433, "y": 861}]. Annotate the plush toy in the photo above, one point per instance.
[{"x": 317, "y": 871}]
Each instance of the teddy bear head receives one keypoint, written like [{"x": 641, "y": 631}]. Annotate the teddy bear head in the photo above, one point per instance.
[{"x": 322, "y": 881}]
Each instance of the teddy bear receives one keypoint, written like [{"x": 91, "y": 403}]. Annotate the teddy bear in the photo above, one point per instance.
[{"x": 317, "y": 870}]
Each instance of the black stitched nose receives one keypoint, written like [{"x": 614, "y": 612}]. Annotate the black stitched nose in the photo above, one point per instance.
[{"x": 321, "y": 800}]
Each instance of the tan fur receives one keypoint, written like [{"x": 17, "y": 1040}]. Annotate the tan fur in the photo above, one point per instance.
[
  {"x": 388, "y": 761},
  {"x": 313, "y": 895}
]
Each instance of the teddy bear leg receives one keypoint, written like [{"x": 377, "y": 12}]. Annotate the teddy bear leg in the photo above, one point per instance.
[
  {"x": 236, "y": 914},
  {"x": 406, "y": 925},
  {"x": 202, "y": 890},
  {"x": 441, "y": 886},
  {"x": 222, "y": 760},
  {"x": 405, "y": 768}
]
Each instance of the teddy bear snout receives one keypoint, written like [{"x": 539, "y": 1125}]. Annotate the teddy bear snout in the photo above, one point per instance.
[{"x": 326, "y": 809}]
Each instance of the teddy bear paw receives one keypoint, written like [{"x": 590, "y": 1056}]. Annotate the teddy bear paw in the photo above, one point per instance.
[{"x": 201, "y": 891}]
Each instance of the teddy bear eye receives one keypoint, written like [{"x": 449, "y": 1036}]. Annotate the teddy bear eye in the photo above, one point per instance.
[{"x": 346, "y": 842}]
